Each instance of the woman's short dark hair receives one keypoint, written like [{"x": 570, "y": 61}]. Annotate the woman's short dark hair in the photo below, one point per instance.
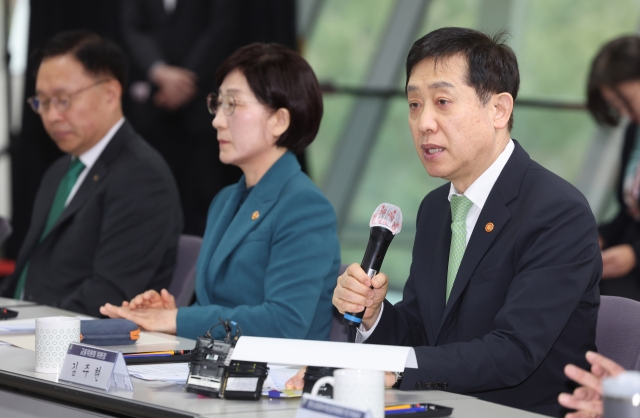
[
  {"x": 98, "y": 56},
  {"x": 281, "y": 78},
  {"x": 492, "y": 67},
  {"x": 618, "y": 61}
]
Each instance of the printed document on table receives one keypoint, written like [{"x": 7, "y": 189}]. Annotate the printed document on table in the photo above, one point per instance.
[{"x": 166, "y": 372}]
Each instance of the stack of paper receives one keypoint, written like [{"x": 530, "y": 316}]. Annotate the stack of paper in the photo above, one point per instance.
[{"x": 166, "y": 372}]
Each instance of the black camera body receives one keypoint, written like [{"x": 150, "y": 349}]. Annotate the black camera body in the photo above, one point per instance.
[
  {"x": 208, "y": 362},
  {"x": 213, "y": 373},
  {"x": 243, "y": 380}
]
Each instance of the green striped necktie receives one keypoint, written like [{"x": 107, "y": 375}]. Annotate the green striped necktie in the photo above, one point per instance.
[
  {"x": 460, "y": 207},
  {"x": 59, "y": 201}
]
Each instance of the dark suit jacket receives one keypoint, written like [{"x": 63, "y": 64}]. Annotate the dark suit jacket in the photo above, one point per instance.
[
  {"x": 116, "y": 238},
  {"x": 525, "y": 300},
  {"x": 623, "y": 229}
]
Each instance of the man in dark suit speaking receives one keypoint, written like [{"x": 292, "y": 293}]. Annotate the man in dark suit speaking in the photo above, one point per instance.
[
  {"x": 107, "y": 217},
  {"x": 503, "y": 286}
]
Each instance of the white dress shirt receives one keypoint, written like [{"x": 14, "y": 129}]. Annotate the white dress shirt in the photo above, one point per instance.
[
  {"x": 477, "y": 193},
  {"x": 90, "y": 157}
]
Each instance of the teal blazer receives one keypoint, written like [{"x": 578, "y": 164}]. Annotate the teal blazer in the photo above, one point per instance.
[{"x": 275, "y": 258}]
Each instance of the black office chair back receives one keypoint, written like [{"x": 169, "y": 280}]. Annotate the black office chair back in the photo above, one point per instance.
[{"x": 183, "y": 282}]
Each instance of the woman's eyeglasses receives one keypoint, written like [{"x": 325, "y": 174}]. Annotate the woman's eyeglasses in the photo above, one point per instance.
[{"x": 225, "y": 101}]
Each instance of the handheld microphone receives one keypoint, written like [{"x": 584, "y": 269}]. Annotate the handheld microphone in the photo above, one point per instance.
[{"x": 385, "y": 223}]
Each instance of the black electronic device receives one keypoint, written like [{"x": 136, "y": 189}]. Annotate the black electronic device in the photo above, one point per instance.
[
  {"x": 212, "y": 373},
  {"x": 209, "y": 359},
  {"x": 243, "y": 380},
  {"x": 7, "y": 313}
]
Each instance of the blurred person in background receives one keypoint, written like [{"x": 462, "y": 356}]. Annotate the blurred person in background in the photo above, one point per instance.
[
  {"x": 175, "y": 47},
  {"x": 270, "y": 253},
  {"x": 613, "y": 91}
]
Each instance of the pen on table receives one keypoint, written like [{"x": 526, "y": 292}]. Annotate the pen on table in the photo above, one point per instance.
[
  {"x": 403, "y": 411},
  {"x": 159, "y": 353},
  {"x": 402, "y": 406}
]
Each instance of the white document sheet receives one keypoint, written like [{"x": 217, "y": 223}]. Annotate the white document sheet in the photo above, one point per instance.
[
  {"x": 166, "y": 372},
  {"x": 278, "y": 376},
  {"x": 151, "y": 339},
  {"x": 17, "y": 325},
  {"x": 325, "y": 354}
]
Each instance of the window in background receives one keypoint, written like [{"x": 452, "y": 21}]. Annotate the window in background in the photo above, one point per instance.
[
  {"x": 340, "y": 49},
  {"x": 555, "y": 42}
]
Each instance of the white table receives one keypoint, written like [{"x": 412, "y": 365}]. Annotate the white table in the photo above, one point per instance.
[{"x": 25, "y": 393}]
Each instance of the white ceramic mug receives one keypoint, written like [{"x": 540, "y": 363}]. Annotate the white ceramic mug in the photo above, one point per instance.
[
  {"x": 621, "y": 395},
  {"x": 53, "y": 336},
  {"x": 359, "y": 388}
]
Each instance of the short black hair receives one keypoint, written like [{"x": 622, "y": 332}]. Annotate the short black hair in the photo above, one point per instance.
[
  {"x": 616, "y": 62},
  {"x": 280, "y": 78},
  {"x": 492, "y": 67},
  {"x": 98, "y": 56}
]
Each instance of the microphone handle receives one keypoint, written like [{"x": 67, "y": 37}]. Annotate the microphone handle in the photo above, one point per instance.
[{"x": 379, "y": 240}]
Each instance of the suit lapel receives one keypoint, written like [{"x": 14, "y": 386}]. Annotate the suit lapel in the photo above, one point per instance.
[
  {"x": 232, "y": 227},
  {"x": 212, "y": 240},
  {"x": 438, "y": 282},
  {"x": 495, "y": 211},
  {"x": 41, "y": 208},
  {"x": 95, "y": 175},
  {"x": 49, "y": 189},
  {"x": 89, "y": 184}
]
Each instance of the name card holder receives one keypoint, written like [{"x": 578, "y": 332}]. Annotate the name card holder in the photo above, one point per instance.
[
  {"x": 94, "y": 367},
  {"x": 321, "y": 407}
]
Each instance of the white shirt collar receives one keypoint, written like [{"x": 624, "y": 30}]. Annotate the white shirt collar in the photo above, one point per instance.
[
  {"x": 479, "y": 190},
  {"x": 90, "y": 156}
]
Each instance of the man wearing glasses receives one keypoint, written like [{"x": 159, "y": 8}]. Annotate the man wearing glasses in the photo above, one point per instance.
[{"x": 106, "y": 218}]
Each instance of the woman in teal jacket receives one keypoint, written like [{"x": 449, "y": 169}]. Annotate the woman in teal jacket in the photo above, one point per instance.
[{"x": 270, "y": 254}]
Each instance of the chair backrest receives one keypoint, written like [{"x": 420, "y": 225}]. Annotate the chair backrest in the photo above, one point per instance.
[
  {"x": 618, "y": 331},
  {"x": 183, "y": 282},
  {"x": 5, "y": 229},
  {"x": 339, "y": 331}
]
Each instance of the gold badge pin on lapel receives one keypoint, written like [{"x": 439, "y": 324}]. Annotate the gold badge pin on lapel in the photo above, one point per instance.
[
  {"x": 95, "y": 178},
  {"x": 255, "y": 215},
  {"x": 489, "y": 227}
]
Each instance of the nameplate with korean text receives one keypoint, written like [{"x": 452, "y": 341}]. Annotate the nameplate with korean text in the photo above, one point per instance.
[{"x": 95, "y": 367}]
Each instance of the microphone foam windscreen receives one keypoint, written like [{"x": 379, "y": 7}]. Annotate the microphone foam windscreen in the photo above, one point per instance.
[{"x": 388, "y": 216}]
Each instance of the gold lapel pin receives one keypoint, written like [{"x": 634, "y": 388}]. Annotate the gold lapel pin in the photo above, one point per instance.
[
  {"x": 95, "y": 178},
  {"x": 489, "y": 227},
  {"x": 255, "y": 215}
]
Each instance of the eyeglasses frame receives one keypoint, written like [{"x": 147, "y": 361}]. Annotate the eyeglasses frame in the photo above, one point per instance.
[{"x": 56, "y": 99}]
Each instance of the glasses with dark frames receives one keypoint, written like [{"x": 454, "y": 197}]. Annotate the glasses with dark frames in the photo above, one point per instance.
[{"x": 62, "y": 103}]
